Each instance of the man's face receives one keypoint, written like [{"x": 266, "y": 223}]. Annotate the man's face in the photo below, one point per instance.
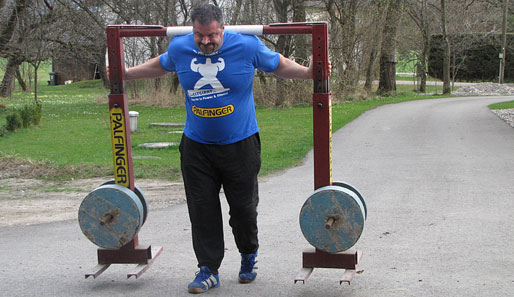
[{"x": 208, "y": 38}]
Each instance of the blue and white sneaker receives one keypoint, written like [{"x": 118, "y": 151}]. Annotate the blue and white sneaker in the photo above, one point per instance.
[
  {"x": 204, "y": 280},
  {"x": 248, "y": 271}
]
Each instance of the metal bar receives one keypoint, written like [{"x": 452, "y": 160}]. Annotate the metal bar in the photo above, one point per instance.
[
  {"x": 118, "y": 107},
  {"x": 116, "y": 59},
  {"x": 142, "y": 268},
  {"x": 156, "y": 30},
  {"x": 322, "y": 133},
  {"x": 320, "y": 259},
  {"x": 288, "y": 29},
  {"x": 303, "y": 275},
  {"x": 348, "y": 276},
  {"x": 99, "y": 269},
  {"x": 322, "y": 108},
  {"x": 320, "y": 57},
  {"x": 131, "y": 253}
]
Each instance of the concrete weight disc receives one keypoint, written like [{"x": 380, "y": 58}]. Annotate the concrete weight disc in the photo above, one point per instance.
[
  {"x": 139, "y": 194},
  {"x": 332, "y": 219},
  {"x": 353, "y": 189},
  {"x": 111, "y": 216}
]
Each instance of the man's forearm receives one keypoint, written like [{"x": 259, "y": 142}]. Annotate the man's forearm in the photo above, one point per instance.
[
  {"x": 289, "y": 69},
  {"x": 150, "y": 69}
]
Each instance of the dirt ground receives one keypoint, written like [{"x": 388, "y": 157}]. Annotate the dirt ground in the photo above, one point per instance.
[{"x": 32, "y": 201}]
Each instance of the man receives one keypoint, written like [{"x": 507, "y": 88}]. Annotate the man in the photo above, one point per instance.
[{"x": 220, "y": 145}]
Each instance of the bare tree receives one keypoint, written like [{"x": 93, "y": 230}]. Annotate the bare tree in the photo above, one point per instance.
[
  {"x": 419, "y": 13},
  {"x": 37, "y": 24},
  {"x": 10, "y": 26},
  {"x": 9, "y": 43},
  {"x": 374, "y": 43},
  {"x": 344, "y": 41},
  {"x": 387, "y": 82},
  {"x": 447, "y": 54}
]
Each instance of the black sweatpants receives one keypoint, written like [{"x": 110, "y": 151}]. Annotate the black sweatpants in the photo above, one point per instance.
[{"x": 207, "y": 167}]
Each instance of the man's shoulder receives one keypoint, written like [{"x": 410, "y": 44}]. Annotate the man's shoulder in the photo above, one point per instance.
[
  {"x": 181, "y": 39},
  {"x": 239, "y": 36}
]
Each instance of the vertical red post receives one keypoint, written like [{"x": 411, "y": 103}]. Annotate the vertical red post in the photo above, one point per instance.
[
  {"x": 119, "y": 113},
  {"x": 322, "y": 108}
]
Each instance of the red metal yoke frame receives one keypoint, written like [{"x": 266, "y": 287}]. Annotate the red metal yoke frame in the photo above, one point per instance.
[{"x": 322, "y": 125}]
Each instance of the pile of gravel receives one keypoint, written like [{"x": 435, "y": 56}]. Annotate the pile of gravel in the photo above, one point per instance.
[
  {"x": 486, "y": 89},
  {"x": 505, "y": 114}
]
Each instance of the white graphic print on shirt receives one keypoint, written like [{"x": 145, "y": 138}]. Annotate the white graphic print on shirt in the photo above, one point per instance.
[{"x": 209, "y": 72}]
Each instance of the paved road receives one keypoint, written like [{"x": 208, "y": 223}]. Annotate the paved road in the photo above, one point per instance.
[{"x": 437, "y": 175}]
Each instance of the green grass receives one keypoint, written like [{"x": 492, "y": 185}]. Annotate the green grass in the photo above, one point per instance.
[
  {"x": 73, "y": 140},
  {"x": 502, "y": 105}
]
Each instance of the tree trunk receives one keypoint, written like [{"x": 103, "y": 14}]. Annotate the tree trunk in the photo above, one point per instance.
[
  {"x": 504, "y": 39},
  {"x": 423, "y": 70},
  {"x": 370, "y": 71},
  {"x": 8, "y": 80},
  {"x": 283, "y": 47},
  {"x": 374, "y": 44},
  {"x": 36, "y": 67},
  {"x": 387, "y": 82},
  {"x": 419, "y": 13},
  {"x": 22, "y": 83},
  {"x": 343, "y": 23},
  {"x": 447, "y": 54},
  {"x": 302, "y": 46},
  {"x": 237, "y": 10}
]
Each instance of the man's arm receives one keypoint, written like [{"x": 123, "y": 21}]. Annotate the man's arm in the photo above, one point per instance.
[
  {"x": 149, "y": 69},
  {"x": 289, "y": 69}
]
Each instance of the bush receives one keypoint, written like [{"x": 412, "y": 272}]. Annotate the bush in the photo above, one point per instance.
[
  {"x": 30, "y": 114},
  {"x": 474, "y": 56},
  {"x": 14, "y": 121},
  {"x": 27, "y": 116},
  {"x": 37, "y": 113}
]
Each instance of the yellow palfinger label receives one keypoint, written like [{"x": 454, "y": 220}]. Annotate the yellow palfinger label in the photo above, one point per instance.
[
  {"x": 213, "y": 112},
  {"x": 119, "y": 147}
]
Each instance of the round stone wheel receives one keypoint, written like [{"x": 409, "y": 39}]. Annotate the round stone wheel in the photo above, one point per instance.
[
  {"x": 111, "y": 216},
  {"x": 139, "y": 194},
  {"x": 332, "y": 219},
  {"x": 355, "y": 190}
]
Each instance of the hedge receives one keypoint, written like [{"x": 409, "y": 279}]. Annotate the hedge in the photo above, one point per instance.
[{"x": 473, "y": 55}]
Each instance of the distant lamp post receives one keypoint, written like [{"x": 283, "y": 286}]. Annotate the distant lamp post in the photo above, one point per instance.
[{"x": 500, "y": 74}]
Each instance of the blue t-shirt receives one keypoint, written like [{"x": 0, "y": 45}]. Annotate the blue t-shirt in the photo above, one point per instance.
[{"x": 218, "y": 87}]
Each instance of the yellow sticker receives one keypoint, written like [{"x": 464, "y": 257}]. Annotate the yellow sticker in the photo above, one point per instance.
[
  {"x": 213, "y": 112},
  {"x": 119, "y": 147}
]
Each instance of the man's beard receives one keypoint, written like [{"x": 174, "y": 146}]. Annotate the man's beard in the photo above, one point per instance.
[{"x": 208, "y": 48}]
